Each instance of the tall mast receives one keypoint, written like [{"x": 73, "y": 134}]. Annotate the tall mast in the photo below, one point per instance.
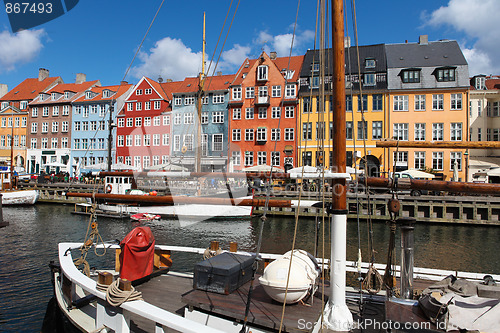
[
  {"x": 12, "y": 152},
  {"x": 199, "y": 146},
  {"x": 110, "y": 133},
  {"x": 336, "y": 315}
]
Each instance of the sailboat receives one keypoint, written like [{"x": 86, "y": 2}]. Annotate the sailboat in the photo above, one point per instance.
[{"x": 213, "y": 299}]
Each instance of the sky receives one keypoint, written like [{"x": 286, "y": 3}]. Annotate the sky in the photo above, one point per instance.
[{"x": 100, "y": 38}]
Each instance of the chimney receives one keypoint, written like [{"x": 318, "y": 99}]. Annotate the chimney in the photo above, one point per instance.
[
  {"x": 43, "y": 74},
  {"x": 122, "y": 83},
  {"x": 273, "y": 55},
  {"x": 169, "y": 80},
  {"x": 3, "y": 89},
  {"x": 423, "y": 39},
  {"x": 80, "y": 78}
]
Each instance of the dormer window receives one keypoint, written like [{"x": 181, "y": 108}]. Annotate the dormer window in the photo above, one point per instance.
[
  {"x": 411, "y": 75},
  {"x": 370, "y": 63},
  {"x": 41, "y": 97},
  {"x": 88, "y": 94},
  {"x": 480, "y": 83},
  {"x": 315, "y": 67},
  {"x": 53, "y": 96},
  {"x": 23, "y": 105},
  {"x": 66, "y": 94},
  {"x": 262, "y": 73},
  {"x": 444, "y": 74},
  {"x": 106, "y": 93}
]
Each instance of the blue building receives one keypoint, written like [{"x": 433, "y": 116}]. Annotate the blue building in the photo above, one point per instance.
[
  {"x": 214, "y": 123},
  {"x": 90, "y": 132}
]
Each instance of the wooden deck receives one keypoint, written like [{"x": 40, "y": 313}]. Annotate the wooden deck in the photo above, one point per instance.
[{"x": 176, "y": 294}]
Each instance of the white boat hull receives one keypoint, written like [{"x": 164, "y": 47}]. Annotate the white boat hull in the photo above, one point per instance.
[{"x": 22, "y": 197}]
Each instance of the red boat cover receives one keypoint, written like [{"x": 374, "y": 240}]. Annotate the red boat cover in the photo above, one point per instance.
[{"x": 136, "y": 258}]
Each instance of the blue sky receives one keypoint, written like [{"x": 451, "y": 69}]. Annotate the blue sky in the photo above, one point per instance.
[{"x": 99, "y": 38}]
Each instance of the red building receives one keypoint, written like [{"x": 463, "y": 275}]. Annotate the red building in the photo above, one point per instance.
[
  {"x": 143, "y": 125},
  {"x": 263, "y": 103}
]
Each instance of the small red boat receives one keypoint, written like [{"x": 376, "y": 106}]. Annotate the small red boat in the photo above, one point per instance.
[{"x": 144, "y": 217}]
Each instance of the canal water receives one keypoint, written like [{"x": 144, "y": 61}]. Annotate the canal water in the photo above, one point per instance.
[{"x": 30, "y": 241}]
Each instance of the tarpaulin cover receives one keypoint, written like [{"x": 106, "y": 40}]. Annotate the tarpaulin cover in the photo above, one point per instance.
[{"x": 136, "y": 258}]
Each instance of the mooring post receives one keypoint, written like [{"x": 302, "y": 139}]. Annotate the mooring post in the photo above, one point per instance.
[{"x": 407, "y": 256}]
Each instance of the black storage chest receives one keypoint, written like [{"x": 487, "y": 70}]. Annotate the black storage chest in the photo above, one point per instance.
[{"x": 223, "y": 273}]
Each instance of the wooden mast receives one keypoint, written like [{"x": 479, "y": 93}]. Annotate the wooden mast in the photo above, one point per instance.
[
  {"x": 199, "y": 144},
  {"x": 12, "y": 151},
  {"x": 439, "y": 144},
  {"x": 336, "y": 315}
]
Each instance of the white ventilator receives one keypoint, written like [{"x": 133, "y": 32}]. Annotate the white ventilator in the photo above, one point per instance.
[{"x": 303, "y": 274}]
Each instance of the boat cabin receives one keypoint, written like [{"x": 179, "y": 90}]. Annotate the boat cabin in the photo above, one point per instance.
[{"x": 119, "y": 184}]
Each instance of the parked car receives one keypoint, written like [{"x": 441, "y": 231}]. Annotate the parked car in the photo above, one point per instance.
[{"x": 414, "y": 193}]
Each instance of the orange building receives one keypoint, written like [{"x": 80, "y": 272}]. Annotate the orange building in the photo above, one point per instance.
[{"x": 263, "y": 103}]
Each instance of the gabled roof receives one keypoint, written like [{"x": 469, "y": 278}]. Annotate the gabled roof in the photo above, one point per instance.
[
  {"x": 12, "y": 110},
  {"x": 491, "y": 82},
  {"x": 432, "y": 54},
  {"x": 117, "y": 91},
  {"x": 30, "y": 88},
  {"x": 211, "y": 83},
  {"x": 77, "y": 88}
]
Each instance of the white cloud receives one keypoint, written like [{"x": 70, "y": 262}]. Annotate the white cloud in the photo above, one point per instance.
[
  {"x": 19, "y": 48},
  {"x": 281, "y": 43},
  {"x": 477, "y": 19},
  {"x": 169, "y": 58},
  {"x": 233, "y": 58}
]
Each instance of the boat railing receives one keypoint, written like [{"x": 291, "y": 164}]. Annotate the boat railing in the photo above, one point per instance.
[
  {"x": 351, "y": 266},
  {"x": 161, "y": 317}
]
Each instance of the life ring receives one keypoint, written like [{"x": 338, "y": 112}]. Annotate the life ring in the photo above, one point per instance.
[
  {"x": 109, "y": 188},
  {"x": 184, "y": 149}
]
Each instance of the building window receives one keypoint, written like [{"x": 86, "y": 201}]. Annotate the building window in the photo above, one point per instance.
[
  {"x": 248, "y": 158},
  {"x": 189, "y": 100},
  {"x": 420, "y": 132},
  {"x": 120, "y": 141},
  {"x": 419, "y": 102},
  {"x": 177, "y": 119},
  {"x": 479, "y": 136},
  {"x": 445, "y": 74},
  {"x": 218, "y": 117},
  {"x": 147, "y": 105},
  {"x": 289, "y": 112},
  {"x": 165, "y": 139},
  {"x": 290, "y": 91},
  {"x": 204, "y": 118},
  {"x": 437, "y": 131},
  {"x": 456, "y": 156},
  {"x": 307, "y": 131},
  {"x": 275, "y": 112},
  {"x": 166, "y": 120},
  {"x": 237, "y": 93},
  {"x": 261, "y": 157},
  {"x": 177, "y": 142},
  {"x": 218, "y": 99},
  {"x": 236, "y": 114},
  {"x": 188, "y": 118},
  {"x": 188, "y": 141},
  {"x": 307, "y": 158},
  {"x": 370, "y": 79},
  {"x": 55, "y": 126},
  {"x": 262, "y": 73},
  {"x": 262, "y": 113},
  {"x": 236, "y": 157},
  {"x": 236, "y": 134},
  {"x": 250, "y": 92},
  {"x": 130, "y": 122},
  {"x": 138, "y": 122},
  {"x": 289, "y": 134},
  {"x": 400, "y": 103},
  {"x": 377, "y": 104},
  {"x": 34, "y": 112},
  {"x": 157, "y": 105},
  {"x": 480, "y": 83},
  {"x": 130, "y": 107},
  {"x": 400, "y": 131},
  {"x": 437, "y": 160},
  {"x": 410, "y": 76},
  {"x": 65, "y": 110},
  {"x": 276, "y": 91},
  {"x": 45, "y": 111},
  {"x": 456, "y": 132},
  {"x": 456, "y": 101},
  {"x": 419, "y": 160},
  {"x": 275, "y": 134},
  {"x": 138, "y": 140},
  {"x": 249, "y": 134},
  {"x": 217, "y": 142},
  {"x": 249, "y": 113},
  {"x": 376, "y": 130},
  {"x": 45, "y": 127},
  {"x": 362, "y": 106},
  {"x": 320, "y": 130},
  {"x": 348, "y": 103},
  {"x": 177, "y": 101},
  {"x": 156, "y": 121},
  {"x": 437, "y": 102},
  {"x": 370, "y": 63},
  {"x": 362, "y": 130},
  {"x": 348, "y": 130},
  {"x": 261, "y": 134}
]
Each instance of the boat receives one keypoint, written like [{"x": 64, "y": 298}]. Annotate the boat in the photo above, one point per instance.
[
  {"x": 144, "y": 217},
  {"x": 164, "y": 300},
  {"x": 12, "y": 196}
]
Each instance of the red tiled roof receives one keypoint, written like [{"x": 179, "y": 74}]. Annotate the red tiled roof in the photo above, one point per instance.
[
  {"x": 30, "y": 88},
  {"x": 61, "y": 88},
  {"x": 117, "y": 89}
]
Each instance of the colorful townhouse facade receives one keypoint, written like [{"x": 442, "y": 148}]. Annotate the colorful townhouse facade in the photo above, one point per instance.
[
  {"x": 144, "y": 125},
  {"x": 366, "y": 88},
  {"x": 428, "y": 84},
  {"x": 484, "y": 114},
  {"x": 93, "y": 112},
  {"x": 50, "y": 125},
  {"x": 263, "y": 106},
  {"x": 213, "y": 123},
  {"x": 14, "y": 113}
]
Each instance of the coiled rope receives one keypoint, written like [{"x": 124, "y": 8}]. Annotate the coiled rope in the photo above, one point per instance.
[
  {"x": 115, "y": 296},
  {"x": 211, "y": 253}
]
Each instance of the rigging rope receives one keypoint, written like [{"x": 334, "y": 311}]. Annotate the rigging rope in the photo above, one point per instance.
[{"x": 115, "y": 296}]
